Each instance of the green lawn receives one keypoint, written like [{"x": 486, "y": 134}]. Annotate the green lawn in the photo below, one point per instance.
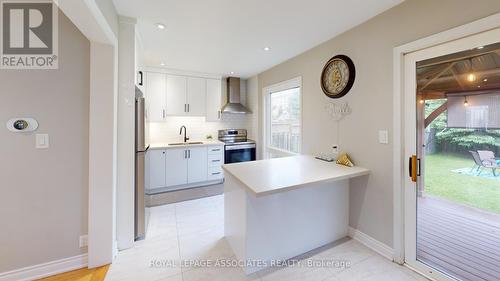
[{"x": 440, "y": 181}]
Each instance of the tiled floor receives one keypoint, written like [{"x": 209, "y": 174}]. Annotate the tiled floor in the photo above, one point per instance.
[{"x": 194, "y": 230}]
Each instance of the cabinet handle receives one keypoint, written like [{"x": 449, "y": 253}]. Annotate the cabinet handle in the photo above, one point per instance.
[
  {"x": 163, "y": 112},
  {"x": 189, "y": 153},
  {"x": 215, "y": 160},
  {"x": 219, "y": 114},
  {"x": 218, "y": 149},
  {"x": 140, "y": 78},
  {"x": 216, "y": 173},
  {"x": 188, "y": 107},
  {"x": 185, "y": 154},
  {"x": 185, "y": 107}
]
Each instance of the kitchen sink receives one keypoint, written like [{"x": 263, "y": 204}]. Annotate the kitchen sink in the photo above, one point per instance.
[{"x": 186, "y": 143}]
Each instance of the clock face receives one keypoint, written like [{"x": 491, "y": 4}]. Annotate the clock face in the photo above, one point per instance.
[{"x": 337, "y": 77}]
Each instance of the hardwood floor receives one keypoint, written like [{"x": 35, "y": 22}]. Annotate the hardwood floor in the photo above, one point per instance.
[
  {"x": 458, "y": 240},
  {"x": 83, "y": 274}
]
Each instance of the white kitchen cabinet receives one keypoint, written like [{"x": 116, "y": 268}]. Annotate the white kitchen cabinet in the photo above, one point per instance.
[
  {"x": 197, "y": 164},
  {"x": 214, "y": 100},
  {"x": 176, "y": 95},
  {"x": 155, "y": 96},
  {"x": 183, "y": 167},
  {"x": 196, "y": 96},
  {"x": 176, "y": 169},
  {"x": 156, "y": 168}
]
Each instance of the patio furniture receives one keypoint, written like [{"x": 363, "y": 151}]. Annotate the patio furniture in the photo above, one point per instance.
[{"x": 486, "y": 159}]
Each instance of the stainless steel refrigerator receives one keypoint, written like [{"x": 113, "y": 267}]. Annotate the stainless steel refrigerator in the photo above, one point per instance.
[{"x": 141, "y": 147}]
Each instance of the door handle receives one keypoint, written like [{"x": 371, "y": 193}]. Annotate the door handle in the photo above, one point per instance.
[{"x": 412, "y": 166}]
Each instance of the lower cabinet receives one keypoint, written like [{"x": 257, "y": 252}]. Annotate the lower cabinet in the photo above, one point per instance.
[
  {"x": 156, "y": 168},
  {"x": 175, "y": 167},
  {"x": 197, "y": 164}
]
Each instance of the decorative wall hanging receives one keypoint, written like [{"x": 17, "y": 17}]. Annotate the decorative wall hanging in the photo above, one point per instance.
[
  {"x": 338, "y": 76},
  {"x": 337, "y": 111}
]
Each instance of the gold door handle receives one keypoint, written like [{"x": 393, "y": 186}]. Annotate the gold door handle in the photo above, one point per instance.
[{"x": 413, "y": 168}]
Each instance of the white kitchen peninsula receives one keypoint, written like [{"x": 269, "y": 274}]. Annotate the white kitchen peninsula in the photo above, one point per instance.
[{"x": 279, "y": 208}]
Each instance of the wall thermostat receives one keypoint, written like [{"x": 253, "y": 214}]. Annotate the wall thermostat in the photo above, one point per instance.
[{"x": 22, "y": 124}]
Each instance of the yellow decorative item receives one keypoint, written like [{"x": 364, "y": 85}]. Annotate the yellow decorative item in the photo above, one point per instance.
[{"x": 345, "y": 160}]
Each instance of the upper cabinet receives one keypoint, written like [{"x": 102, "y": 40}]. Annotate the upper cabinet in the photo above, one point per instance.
[
  {"x": 186, "y": 96},
  {"x": 176, "y": 95},
  {"x": 214, "y": 100},
  {"x": 180, "y": 95},
  {"x": 196, "y": 96},
  {"x": 155, "y": 96}
]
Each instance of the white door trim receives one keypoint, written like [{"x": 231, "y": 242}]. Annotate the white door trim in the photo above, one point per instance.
[
  {"x": 399, "y": 172},
  {"x": 88, "y": 17}
]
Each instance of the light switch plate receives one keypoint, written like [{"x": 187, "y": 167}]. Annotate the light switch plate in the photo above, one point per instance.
[
  {"x": 383, "y": 136},
  {"x": 42, "y": 141},
  {"x": 84, "y": 241}
]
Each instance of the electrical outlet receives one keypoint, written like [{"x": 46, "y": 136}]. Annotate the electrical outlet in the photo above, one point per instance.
[
  {"x": 83, "y": 241},
  {"x": 335, "y": 148}
]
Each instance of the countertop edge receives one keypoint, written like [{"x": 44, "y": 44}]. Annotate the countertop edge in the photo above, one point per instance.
[
  {"x": 297, "y": 186},
  {"x": 167, "y": 146}
]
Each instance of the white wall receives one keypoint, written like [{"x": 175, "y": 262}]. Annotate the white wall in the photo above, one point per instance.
[
  {"x": 370, "y": 45},
  {"x": 126, "y": 134},
  {"x": 44, "y": 193}
]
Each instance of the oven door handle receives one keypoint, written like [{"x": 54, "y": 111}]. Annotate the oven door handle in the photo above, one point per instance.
[{"x": 242, "y": 146}]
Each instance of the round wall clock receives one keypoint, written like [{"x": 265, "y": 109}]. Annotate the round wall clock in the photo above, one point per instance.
[{"x": 338, "y": 76}]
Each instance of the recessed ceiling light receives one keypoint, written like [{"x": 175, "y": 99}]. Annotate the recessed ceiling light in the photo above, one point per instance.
[
  {"x": 267, "y": 48},
  {"x": 232, "y": 72},
  {"x": 485, "y": 79},
  {"x": 160, "y": 26},
  {"x": 479, "y": 86},
  {"x": 162, "y": 64},
  {"x": 480, "y": 47}
]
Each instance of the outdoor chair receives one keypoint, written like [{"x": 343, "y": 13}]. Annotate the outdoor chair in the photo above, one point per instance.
[{"x": 486, "y": 159}]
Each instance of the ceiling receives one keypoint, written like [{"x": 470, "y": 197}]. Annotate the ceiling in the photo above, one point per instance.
[
  {"x": 224, "y": 36},
  {"x": 448, "y": 75}
]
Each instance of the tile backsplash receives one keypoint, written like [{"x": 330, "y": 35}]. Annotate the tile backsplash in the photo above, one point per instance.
[{"x": 197, "y": 127}]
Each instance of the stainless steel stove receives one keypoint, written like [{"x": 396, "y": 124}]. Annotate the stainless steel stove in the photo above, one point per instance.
[{"x": 238, "y": 148}]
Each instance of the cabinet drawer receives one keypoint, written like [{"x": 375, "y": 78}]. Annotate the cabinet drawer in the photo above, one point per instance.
[
  {"x": 216, "y": 149},
  {"x": 215, "y": 173},
  {"x": 215, "y": 160}
]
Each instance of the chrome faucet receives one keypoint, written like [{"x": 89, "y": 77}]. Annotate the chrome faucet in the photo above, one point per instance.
[{"x": 185, "y": 130}]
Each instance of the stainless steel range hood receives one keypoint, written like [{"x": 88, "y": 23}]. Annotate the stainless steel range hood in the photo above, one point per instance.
[{"x": 233, "y": 104}]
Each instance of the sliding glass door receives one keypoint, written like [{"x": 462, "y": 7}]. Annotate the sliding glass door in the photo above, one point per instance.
[{"x": 452, "y": 195}]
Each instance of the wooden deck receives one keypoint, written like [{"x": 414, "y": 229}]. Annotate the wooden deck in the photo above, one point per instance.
[{"x": 458, "y": 240}]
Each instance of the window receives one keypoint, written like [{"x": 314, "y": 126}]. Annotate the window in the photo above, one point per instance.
[{"x": 283, "y": 119}]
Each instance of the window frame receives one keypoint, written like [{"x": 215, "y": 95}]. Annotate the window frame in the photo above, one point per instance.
[{"x": 267, "y": 91}]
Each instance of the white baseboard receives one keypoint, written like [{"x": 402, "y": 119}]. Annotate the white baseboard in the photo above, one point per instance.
[
  {"x": 45, "y": 269},
  {"x": 372, "y": 243}
]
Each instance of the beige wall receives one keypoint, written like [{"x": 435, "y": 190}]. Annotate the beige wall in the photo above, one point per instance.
[
  {"x": 44, "y": 193},
  {"x": 370, "y": 45}
]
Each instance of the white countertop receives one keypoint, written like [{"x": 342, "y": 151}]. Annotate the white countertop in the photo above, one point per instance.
[
  {"x": 264, "y": 177},
  {"x": 169, "y": 144}
]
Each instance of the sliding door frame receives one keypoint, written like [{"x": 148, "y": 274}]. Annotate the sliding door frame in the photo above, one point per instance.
[{"x": 404, "y": 117}]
